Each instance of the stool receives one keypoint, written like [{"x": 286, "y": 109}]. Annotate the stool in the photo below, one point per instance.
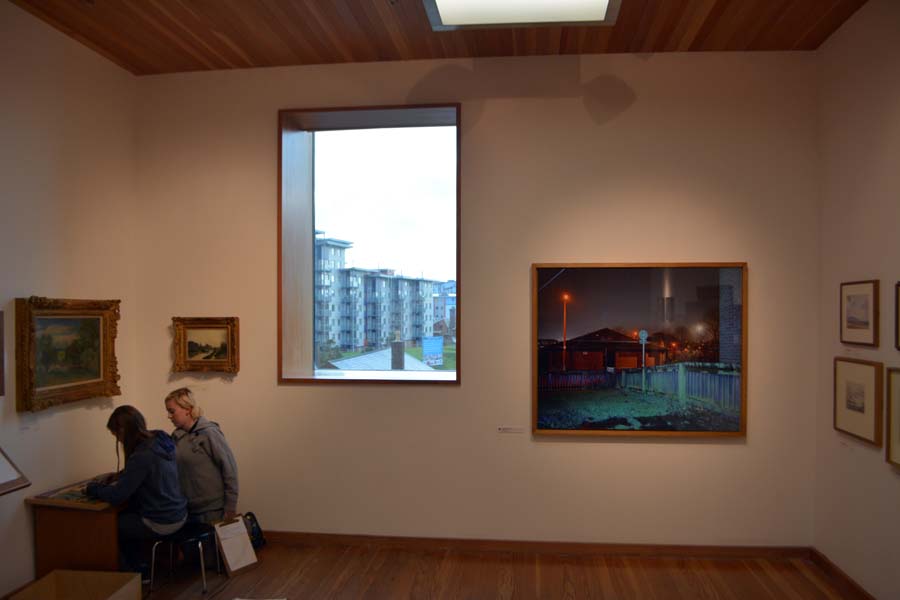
[{"x": 190, "y": 533}]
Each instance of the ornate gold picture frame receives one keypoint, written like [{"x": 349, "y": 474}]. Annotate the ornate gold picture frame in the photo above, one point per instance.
[
  {"x": 65, "y": 351},
  {"x": 206, "y": 344}
]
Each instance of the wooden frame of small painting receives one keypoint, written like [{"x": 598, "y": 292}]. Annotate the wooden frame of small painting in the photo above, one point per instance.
[
  {"x": 892, "y": 451},
  {"x": 206, "y": 344},
  {"x": 859, "y": 313},
  {"x": 11, "y": 478},
  {"x": 639, "y": 349},
  {"x": 65, "y": 351},
  {"x": 858, "y": 389}
]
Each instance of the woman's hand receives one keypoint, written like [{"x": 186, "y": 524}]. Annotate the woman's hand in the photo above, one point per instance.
[{"x": 106, "y": 479}]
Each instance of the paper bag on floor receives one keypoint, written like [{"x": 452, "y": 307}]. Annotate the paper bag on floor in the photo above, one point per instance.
[{"x": 234, "y": 543}]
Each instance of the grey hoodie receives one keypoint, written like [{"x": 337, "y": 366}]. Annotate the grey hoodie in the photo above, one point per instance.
[{"x": 206, "y": 468}]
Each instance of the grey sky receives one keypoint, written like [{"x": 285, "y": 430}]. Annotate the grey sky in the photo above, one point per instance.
[{"x": 392, "y": 193}]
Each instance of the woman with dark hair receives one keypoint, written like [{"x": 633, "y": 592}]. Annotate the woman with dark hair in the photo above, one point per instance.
[{"x": 149, "y": 483}]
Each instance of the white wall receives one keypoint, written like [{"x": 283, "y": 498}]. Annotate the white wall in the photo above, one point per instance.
[
  {"x": 858, "y": 493},
  {"x": 706, "y": 157},
  {"x": 67, "y": 206},
  {"x": 108, "y": 181}
]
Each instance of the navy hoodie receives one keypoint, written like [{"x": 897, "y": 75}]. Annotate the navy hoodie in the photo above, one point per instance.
[{"x": 149, "y": 482}]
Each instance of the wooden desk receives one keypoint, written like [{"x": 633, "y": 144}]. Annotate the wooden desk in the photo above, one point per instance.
[{"x": 72, "y": 531}]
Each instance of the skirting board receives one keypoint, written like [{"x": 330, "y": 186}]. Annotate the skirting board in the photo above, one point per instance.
[{"x": 840, "y": 579}]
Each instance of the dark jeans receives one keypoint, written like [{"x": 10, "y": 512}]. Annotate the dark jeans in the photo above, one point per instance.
[
  {"x": 132, "y": 536},
  {"x": 206, "y": 517}
]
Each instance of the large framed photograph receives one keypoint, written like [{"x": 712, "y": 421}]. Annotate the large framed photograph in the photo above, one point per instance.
[
  {"x": 857, "y": 398},
  {"x": 639, "y": 349},
  {"x": 65, "y": 351},
  {"x": 892, "y": 452},
  {"x": 859, "y": 313},
  {"x": 206, "y": 344}
]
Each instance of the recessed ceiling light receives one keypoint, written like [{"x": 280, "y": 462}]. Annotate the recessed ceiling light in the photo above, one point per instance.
[{"x": 464, "y": 14}]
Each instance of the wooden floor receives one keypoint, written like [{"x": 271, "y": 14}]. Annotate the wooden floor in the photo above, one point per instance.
[{"x": 305, "y": 571}]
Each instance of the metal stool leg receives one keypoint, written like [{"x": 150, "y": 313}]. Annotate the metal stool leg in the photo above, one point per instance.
[
  {"x": 215, "y": 546},
  {"x": 171, "y": 560},
  {"x": 153, "y": 563},
  {"x": 202, "y": 563}
]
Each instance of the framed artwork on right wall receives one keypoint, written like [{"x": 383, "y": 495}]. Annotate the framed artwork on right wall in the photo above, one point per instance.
[
  {"x": 858, "y": 389},
  {"x": 897, "y": 316},
  {"x": 892, "y": 453},
  {"x": 859, "y": 313}
]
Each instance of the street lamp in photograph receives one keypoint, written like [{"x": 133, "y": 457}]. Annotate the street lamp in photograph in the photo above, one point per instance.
[{"x": 565, "y": 298}]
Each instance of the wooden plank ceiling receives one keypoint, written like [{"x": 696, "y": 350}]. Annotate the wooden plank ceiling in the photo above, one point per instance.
[{"x": 169, "y": 36}]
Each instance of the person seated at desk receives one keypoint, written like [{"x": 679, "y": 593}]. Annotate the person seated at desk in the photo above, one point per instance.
[
  {"x": 206, "y": 465},
  {"x": 149, "y": 483}
]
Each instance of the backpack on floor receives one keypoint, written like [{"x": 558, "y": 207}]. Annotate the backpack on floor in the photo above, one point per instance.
[{"x": 254, "y": 531}]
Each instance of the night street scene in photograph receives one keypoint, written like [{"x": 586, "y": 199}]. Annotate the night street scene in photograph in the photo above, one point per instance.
[{"x": 656, "y": 349}]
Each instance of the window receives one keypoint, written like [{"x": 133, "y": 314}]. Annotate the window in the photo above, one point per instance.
[{"x": 369, "y": 223}]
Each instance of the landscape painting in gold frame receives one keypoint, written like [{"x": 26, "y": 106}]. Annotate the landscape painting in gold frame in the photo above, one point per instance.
[
  {"x": 206, "y": 344},
  {"x": 65, "y": 351},
  {"x": 858, "y": 392},
  {"x": 639, "y": 349}
]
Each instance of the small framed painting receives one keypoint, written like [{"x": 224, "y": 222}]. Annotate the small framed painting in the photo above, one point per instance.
[
  {"x": 892, "y": 454},
  {"x": 858, "y": 398},
  {"x": 206, "y": 344},
  {"x": 859, "y": 313},
  {"x": 65, "y": 351}
]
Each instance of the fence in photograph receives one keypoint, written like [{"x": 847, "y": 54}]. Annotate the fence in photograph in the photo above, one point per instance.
[
  {"x": 717, "y": 383},
  {"x": 575, "y": 381}
]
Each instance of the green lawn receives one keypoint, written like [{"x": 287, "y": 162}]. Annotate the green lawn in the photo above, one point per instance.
[{"x": 449, "y": 357}]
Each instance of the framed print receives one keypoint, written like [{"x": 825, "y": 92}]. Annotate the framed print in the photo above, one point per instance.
[
  {"x": 859, "y": 313},
  {"x": 857, "y": 398},
  {"x": 897, "y": 316},
  {"x": 892, "y": 452},
  {"x": 206, "y": 344},
  {"x": 65, "y": 351},
  {"x": 11, "y": 478},
  {"x": 639, "y": 349}
]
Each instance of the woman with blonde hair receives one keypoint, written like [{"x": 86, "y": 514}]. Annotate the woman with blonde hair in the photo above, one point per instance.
[{"x": 206, "y": 466}]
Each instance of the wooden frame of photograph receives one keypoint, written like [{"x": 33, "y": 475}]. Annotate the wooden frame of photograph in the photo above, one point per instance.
[
  {"x": 892, "y": 450},
  {"x": 646, "y": 349},
  {"x": 897, "y": 316},
  {"x": 206, "y": 344},
  {"x": 11, "y": 478},
  {"x": 858, "y": 397},
  {"x": 65, "y": 351},
  {"x": 859, "y": 315}
]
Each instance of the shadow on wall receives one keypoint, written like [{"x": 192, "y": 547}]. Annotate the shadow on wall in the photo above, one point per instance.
[{"x": 604, "y": 97}]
